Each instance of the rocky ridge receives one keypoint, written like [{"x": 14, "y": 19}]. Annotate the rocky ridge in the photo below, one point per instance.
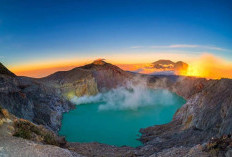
[
  {"x": 207, "y": 113},
  {"x": 90, "y": 79},
  {"x": 5, "y": 71},
  {"x": 29, "y": 99}
]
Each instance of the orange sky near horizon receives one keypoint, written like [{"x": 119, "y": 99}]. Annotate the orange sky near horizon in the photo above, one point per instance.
[
  {"x": 205, "y": 65},
  {"x": 38, "y": 68},
  {"x": 45, "y": 71}
]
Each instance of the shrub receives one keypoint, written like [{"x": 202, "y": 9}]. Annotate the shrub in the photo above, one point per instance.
[{"x": 30, "y": 131}]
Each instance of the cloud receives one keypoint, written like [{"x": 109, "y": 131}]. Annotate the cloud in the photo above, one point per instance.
[
  {"x": 175, "y": 46},
  {"x": 214, "y": 48},
  {"x": 197, "y": 46},
  {"x": 183, "y": 46}
]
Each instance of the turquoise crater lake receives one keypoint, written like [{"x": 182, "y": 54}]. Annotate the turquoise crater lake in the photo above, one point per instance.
[{"x": 116, "y": 117}]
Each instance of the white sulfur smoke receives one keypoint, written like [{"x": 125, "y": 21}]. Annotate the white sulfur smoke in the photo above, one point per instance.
[{"x": 130, "y": 97}]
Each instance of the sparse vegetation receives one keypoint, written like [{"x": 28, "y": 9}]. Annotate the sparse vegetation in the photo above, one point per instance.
[
  {"x": 30, "y": 131},
  {"x": 23, "y": 133},
  {"x": 219, "y": 146},
  {"x": 49, "y": 139}
]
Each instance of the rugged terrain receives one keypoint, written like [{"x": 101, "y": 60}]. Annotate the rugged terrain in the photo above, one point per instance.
[
  {"x": 90, "y": 79},
  {"x": 29, "y": 99},
  {"x": 35, "y": 139},
  {"x": 206, "y": 115}
]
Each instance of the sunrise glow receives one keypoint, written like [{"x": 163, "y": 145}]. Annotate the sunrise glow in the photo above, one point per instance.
[{"x": 209, "y": 66}]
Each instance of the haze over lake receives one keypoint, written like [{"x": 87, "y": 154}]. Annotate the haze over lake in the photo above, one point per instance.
[{"x": 116, "y": 117}]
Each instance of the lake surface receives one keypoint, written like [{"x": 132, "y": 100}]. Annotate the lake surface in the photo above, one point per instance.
[{"x": 110, "y": 118}]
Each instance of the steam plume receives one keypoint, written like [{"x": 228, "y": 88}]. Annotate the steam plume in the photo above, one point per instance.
[{"x": 130, "y": 97}]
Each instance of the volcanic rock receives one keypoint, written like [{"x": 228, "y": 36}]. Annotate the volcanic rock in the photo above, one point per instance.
[
  {"x": 29, "y": 99},
  {"x": 206, "y": 114},
  {"x": 90, "y": 79},
  {"x": 5, "y": 71}
]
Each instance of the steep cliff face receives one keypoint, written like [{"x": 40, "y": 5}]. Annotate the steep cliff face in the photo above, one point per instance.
[
  {"x": 76, "y": 82},
  {"x": 209, "y": 110},
  {"x": 207, "y": 114},
  {"x": 29, "y": 99}
]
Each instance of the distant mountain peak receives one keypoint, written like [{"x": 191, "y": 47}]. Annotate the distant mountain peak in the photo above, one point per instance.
[
  {"x": 163, "y": 64},
  {"x": 163, "y": 61},
  {"x": 5, "y": 71},
  {"x": 99, "y": 61},
  {"x": 168, "y": 65}
]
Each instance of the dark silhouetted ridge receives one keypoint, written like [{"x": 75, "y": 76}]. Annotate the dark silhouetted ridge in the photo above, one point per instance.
[{"x": 5, "y": 71}]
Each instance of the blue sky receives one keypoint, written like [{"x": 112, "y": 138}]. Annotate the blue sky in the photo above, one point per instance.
[{"x": 33, "y": 31}]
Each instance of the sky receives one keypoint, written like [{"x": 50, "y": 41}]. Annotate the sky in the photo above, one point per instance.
[{"x": 50, "y": 35}]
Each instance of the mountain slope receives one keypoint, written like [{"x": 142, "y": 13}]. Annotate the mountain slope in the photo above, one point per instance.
[
  {"x": 32, "y": 100},
  {"x": 160, "y": 64},
  {"x": 206, "y": 114},
  {"x": 89, "y": 79},
  {"x": 5, "y": 71}
]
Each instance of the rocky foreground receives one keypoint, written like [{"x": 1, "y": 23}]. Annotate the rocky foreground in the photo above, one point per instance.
[
  {"x": 21, "y": 138},
  {"x": 201, "y": 127}
]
